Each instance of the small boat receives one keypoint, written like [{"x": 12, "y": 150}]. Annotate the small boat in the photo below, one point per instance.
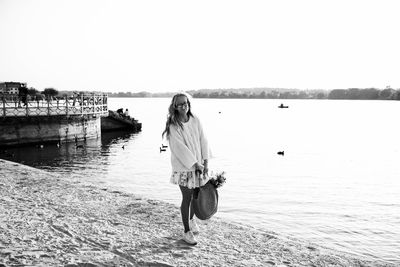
[{"x": 282, "y": 106}]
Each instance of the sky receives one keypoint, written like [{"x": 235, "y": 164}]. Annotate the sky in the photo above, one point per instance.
[{"x": 169, "y": 45}]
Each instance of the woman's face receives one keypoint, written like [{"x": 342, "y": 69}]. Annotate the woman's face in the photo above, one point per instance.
[{"x": 182, "y": 105}]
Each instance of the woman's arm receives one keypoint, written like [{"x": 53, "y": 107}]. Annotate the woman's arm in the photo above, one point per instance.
[{"x": 205, "y": 150}]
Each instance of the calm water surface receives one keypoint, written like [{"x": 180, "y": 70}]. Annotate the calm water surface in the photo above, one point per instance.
[{"x": 337, "y": 185}]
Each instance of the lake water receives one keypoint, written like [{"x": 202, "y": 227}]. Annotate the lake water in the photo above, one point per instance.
[{"x": 337, "y": 185}]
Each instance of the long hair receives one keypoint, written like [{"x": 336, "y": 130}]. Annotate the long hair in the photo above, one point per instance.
[{"x": 173, "y": 114}]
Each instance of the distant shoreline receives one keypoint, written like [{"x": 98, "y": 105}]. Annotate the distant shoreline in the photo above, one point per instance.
[
  {"x": 268, "y": 93},
  {"x": 46, "y": 219}
]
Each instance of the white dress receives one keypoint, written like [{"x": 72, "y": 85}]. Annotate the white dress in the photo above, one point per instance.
[{"x": 188, "y": 145}]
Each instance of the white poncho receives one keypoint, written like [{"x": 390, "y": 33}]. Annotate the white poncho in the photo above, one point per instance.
[{"x": 188, "y": 145}]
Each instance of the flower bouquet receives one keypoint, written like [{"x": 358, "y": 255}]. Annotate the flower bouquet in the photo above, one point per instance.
[{"x": 218, "y": 179}]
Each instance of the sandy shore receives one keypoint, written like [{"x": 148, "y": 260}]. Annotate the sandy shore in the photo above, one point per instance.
[{"x": 46, "y": 220}]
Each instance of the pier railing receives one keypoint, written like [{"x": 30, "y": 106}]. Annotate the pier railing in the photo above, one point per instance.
[{"x": 83, "y": 104}]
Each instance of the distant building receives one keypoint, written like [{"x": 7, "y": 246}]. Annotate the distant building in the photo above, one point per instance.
[{"x": 11, "y": 87}]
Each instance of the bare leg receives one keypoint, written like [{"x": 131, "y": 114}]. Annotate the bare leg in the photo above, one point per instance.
[{"x": 186, "y": 199}]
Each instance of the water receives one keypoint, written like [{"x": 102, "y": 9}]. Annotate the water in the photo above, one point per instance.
[{"x": 337, "y": 185}]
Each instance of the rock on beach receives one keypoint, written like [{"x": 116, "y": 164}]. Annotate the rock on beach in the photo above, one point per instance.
[{"x": 46, "y": 220}]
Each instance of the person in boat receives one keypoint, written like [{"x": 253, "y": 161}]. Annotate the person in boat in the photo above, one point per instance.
[
  {"x": 120, "y": 111},
  {"x": 282, "y": 106},
  {"x": 189, "y": 154}
]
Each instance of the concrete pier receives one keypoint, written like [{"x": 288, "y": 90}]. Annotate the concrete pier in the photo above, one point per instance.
[
  {"x": 31, "y": 130},
  {"x": 58, "y": 120}
]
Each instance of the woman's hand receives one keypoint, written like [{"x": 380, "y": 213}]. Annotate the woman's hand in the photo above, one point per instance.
[
  {"x": 205, "y": 171},
  {"x": 199, "y": 167}
]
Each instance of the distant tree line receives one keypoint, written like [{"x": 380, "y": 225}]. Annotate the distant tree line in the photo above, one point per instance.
[
  {"x": 293, "y": 94},
  {"x": 366, "y": 94},
  {"x": 269, "y": 93},
  {"x": 253, "y": 93},
  {"x": 351, "y": 93},
  {"x": 33, "y": 93},
  {"x": 139, "y": 94},
  {"x": 54, "y": 93},
  {"x": 47, "y": 92}
]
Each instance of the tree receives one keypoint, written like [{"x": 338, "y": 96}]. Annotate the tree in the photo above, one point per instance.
[
  {"x": 369, "y": 94},
  {"x": 397, "y": 95},
  {"x": 387, "y": 93},
  {"x": 353, "y": 93},
  {"x": 50, "y": 93},
  {"x": 32, "y": 91},
  {"x": 337, "y": 94}
]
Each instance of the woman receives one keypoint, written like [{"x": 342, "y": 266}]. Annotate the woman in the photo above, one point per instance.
[{"x": 189, "y": 154}]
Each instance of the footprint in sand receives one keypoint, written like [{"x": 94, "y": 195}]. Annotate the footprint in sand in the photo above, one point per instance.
[
  {"x": 155, "y": 264},
  {"x": 173, "y": 243},
  {"x": 178, "y": 255},
  {"x": 182, "y": 245}
]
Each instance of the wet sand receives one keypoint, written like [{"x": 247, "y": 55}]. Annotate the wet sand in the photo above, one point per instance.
[{"x": 46, "y": 220}]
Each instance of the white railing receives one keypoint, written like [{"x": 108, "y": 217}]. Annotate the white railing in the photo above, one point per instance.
[{"x": 87, "y": 104}]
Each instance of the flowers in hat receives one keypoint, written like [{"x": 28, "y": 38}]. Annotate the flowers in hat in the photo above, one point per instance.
[{"x": 218, "y": 179}]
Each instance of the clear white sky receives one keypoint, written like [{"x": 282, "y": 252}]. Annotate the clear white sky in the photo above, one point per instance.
[{"x": 165, "y": 45}]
